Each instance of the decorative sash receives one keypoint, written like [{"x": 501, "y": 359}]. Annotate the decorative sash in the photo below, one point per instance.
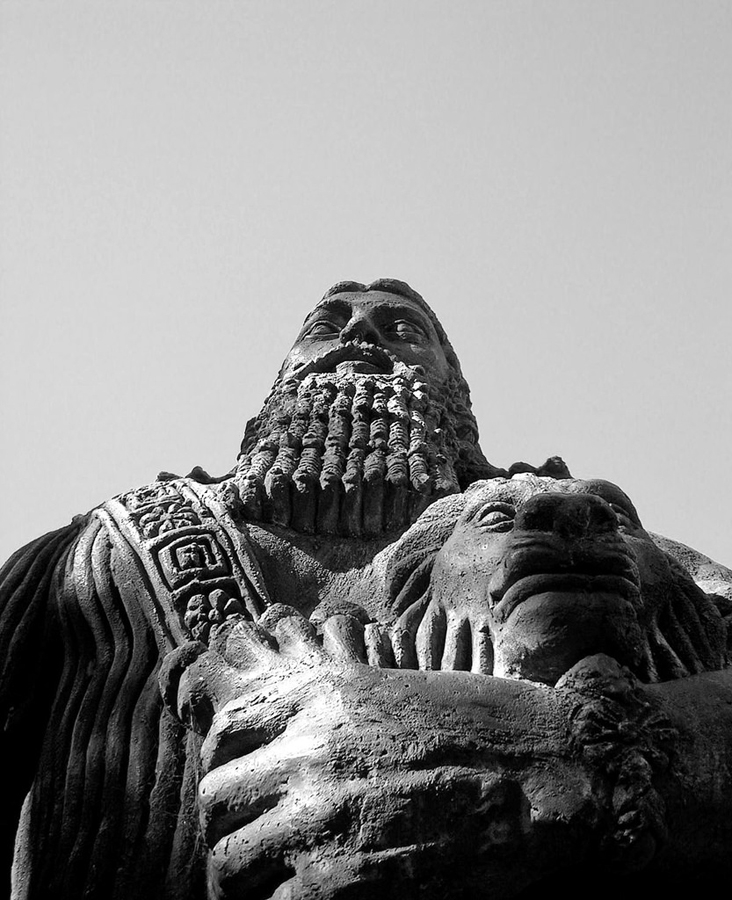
[{"x": 199, "y": 566}]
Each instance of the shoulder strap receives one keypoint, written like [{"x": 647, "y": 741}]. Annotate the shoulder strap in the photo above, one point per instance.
[{"x": 200, "y": 565}]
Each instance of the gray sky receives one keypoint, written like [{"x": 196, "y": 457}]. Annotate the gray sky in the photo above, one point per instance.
[{"x": 180, "y": 182}]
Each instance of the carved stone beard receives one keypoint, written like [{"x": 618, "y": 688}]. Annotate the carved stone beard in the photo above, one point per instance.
[{"x": 348, "y": 453}]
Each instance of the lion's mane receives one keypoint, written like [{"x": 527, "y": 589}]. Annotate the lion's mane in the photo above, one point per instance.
[{"x": 685, "y": 630}]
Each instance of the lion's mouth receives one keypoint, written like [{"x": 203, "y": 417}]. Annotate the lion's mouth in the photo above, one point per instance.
[
  {"x": 549, "y": 568},
  {"x": 604, "y": 586}
]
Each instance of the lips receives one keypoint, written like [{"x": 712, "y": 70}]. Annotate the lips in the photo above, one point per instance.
[
  {"x": 541, "y": 570},
  {"x": 352, "y": 357},
  {"x": 358, "y": 366},
  {"x": 564, "y": 583}
]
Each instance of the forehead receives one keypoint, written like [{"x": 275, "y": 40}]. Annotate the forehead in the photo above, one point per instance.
[
  {"x": 517, "y": 491},
  {"x": 381, "y": 305}
]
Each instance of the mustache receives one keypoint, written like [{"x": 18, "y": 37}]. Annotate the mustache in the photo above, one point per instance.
[{"x": 382, "y": 360}]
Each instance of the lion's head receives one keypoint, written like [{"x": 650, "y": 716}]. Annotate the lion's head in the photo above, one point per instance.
[{"x": 524, "y": 577}]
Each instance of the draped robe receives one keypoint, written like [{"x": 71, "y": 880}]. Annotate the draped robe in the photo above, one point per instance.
[{"x": 102, "y": 777}]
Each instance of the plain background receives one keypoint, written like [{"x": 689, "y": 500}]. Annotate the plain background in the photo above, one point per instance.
[{"x": 180, "y": 182}]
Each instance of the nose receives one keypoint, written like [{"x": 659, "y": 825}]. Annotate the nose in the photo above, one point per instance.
[
  {"x": 361, "y": 327},
  {"x": 567, "y": 515}
]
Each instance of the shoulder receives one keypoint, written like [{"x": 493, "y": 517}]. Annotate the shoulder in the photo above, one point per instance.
[
  {"x": 182, "y": 540},
  {"x": 28, "y": 573},
  {"x": 173, "y": 548}
]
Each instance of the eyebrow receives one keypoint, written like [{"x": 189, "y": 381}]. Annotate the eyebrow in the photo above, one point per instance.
[
  {"x": 505, "y": 495},
  {"x": 332, "y": 306},
  {"x": 344, "y": 308},
  {"x": 410, "y": 312}
]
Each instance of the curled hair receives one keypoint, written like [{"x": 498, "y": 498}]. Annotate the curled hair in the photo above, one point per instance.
[{"x": 470, "y": 465}]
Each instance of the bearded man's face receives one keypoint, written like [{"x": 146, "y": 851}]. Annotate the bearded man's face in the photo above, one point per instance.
[
  {"x": 365, "y": 426},
  {"x": 363, "y": 333}
]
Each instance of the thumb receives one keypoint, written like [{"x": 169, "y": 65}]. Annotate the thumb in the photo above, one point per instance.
[{"x": 196, "y": 681}]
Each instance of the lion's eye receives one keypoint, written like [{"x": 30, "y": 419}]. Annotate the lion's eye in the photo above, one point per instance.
[
  {"x": 496, "y": 517},
  {"x": 623, "y": 516}
]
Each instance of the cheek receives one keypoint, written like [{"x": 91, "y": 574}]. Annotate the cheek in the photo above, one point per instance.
[
  {"x": 653, "y": 567},
  {"x": 461, "y": 578},
  {"x": 432, "y": 359},
  {"x": 657, "y": 579},
  {"x": 306, "y": 351},
  {"x": 412, "y": 352}
]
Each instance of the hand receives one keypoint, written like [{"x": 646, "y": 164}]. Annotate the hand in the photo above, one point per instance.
[{"x": 325, "y": 778}]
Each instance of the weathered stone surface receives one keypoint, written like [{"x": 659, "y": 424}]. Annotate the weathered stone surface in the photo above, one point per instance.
[
  {"x": 329, "y": 779},
  {"x": 524, "y": 577},
  {"x": 281, "y": 683}
]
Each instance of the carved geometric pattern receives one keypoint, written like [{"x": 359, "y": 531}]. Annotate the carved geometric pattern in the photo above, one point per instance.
[
  {"x": 165, "y": 517},
  {"x": 192, "y": 556},
  {"x": 149, "y": 496},
  {"x": 199, "y": 561}
]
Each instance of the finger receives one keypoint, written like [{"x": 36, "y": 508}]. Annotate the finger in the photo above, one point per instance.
[
  {"x": 343, "y": 639},
  {"x": 335, "y": 875},
  {"x": 387, "y": 874},
  {"x": 404, "y": 632},
  {"x": 259, "y": 858},
  {"x": 204, "y": 687},
  {"x": 430, "y": 640},
  {"x": 402, "y": 642},
  {"x": 379, "y": 651},
  {"x": 172, "y": 669},
  {"x": 244, "y": 644},
  {"x": 482, "y": 649},
  {"x": 457, "y": 656},
  {"x": 272, "y": 615},
  {"x": 239, "y": 792},
  {"x": 319, "y": 850},
  {"x": 297, "y": 638},
  {"x": 206, "y": 681},
  {"x": 256, "y": 715},
  {"x": 338, "y": 607}
]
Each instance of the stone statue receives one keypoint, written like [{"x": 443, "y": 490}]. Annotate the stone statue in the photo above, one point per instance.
[
  {"x": 282, "y": 683},
  {"x": 324, "y": 777}
]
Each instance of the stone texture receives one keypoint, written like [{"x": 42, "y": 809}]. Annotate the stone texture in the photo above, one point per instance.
[
  {"x": 328, "y": 779},
  {"x": 281, "y": 683}
]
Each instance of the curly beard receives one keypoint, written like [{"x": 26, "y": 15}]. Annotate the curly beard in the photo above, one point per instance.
[{"x": 353, "y": 453}]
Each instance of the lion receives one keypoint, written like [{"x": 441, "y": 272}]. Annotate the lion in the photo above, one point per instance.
[
  {"x": 522, "y": 627},
  {"x": 523, "y": 577}
]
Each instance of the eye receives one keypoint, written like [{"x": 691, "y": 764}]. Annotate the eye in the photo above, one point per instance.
[
  {"x": 405, "y": 330},
  {"x": 497, "y": 517},
  {"x": 323, "y": 328},
  {"x": 625, "y": 520}
]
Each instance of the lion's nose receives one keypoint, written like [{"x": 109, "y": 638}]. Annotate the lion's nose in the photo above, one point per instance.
[{"x": 567, "y": 515}]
